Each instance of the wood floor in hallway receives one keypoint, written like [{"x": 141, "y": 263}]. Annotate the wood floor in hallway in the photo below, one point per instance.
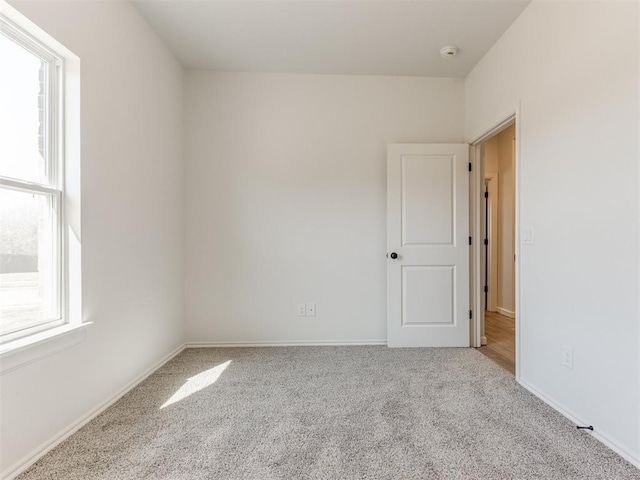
[{"x": 501, "y": 340}]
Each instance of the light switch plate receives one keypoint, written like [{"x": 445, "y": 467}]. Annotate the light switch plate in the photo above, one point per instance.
[
  {"x": 567, "y": 356},
  {"x": 527, "y": 236},
  {"x": 311, "y": 309}
]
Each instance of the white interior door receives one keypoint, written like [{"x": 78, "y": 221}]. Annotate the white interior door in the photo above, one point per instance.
[{"x": 428, "y": 245}]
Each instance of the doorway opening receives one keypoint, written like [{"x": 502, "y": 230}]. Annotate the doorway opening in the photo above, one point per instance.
[{"x": 496, "y": 199}]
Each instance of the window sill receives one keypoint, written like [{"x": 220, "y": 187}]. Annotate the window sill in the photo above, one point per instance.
[{"x": 23, "y": 351}]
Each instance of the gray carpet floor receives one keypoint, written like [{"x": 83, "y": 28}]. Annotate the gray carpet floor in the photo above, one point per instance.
[{"x": 330, "y": 413}]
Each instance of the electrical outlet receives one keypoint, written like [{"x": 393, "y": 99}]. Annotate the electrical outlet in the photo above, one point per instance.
[
  {"x": 567, "y": 356},
  {"x": 311, "y": 309},
  {"x": 302, "y": 310}
]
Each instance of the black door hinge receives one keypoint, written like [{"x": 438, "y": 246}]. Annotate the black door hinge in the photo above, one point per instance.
[
  {"x": 486, "y": 289},
  {"x": 469, "y": 166},
  {"x": 486, "y": 194},
  {"x": 470, "y": 314},
  {"x": 486, "y": 241},
  {"x": 470, "y": 241}
]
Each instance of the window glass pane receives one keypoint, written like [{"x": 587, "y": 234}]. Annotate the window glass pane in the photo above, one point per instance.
[
  {"x": 22, "y": 113},
  {"x": 28, "y": 282}
]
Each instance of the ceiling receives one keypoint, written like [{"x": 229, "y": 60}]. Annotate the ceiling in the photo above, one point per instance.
[{"x": 391, "y": 37}]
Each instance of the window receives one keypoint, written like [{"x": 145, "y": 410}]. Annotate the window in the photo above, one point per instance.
[{"x": 31, "y": 186}]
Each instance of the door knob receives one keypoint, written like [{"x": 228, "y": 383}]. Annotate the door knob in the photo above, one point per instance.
[{"x": 394, "y": 255}]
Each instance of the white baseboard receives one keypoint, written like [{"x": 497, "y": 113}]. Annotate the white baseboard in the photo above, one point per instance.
[
  {"x": 505, "y": 312},
  {"x": 284, "y": 344},
  {"x": 65, "y": 433},
  {"x": 603, "y": 438}
]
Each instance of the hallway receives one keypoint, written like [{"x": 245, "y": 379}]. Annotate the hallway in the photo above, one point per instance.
[{"x": 501, "y": 340}]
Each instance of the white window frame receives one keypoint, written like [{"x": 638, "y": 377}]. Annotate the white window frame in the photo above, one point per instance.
[{"x": 53, "y": 189}]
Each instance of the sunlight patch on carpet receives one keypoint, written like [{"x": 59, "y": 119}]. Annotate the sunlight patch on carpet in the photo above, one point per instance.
[{"x": 197, "y": 383}]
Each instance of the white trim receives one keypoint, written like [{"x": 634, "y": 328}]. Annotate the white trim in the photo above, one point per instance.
[
  {"x": 68, "y": 149},
  {"x": 638, "y": 220},
  {"x": 511, "y": 116},
  {"x": 29, "y": 187},
  {"x": 504, "y": 120},
  {"x": 18, "y": 333},
  {"x": 505, "y": 312},
  {"x": 65, "y": 433},
  {"x": 50, "y": 43},
  {"x": 516, "y": 250},
  {"x": 332, "y": 343},
  {"x": 491, "y": 259},
  {"x": 475, "y": 255},
  {"x": 22, "y": 35},
  {"x": 28, "y": 349},
  {"x": 602, "y": 437},
  {"x": 483, "y": 340}
]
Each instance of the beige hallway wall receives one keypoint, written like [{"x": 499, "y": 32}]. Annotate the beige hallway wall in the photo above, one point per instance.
[
  {"x": 500, "y": 166},
  {"x": 506, "y": 222}
]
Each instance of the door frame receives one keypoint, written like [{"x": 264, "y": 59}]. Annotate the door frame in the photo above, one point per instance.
[
  {"x": 488, "y": 254},
  {"x": 476, "y": 189},
  {"x": 491, "y": 251}
]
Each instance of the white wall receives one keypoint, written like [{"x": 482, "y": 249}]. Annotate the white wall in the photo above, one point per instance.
[
  {"x": 132, "y": 200},
  {"x": 286, "y": 199},
  {"x": 574, "y": 68}
]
